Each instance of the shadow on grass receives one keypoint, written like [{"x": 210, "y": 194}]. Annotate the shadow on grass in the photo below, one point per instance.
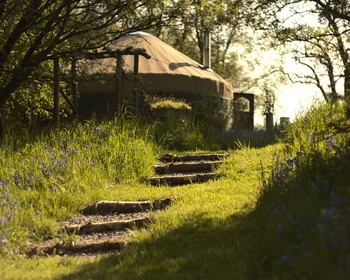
[
  {"x": 298, "y": 230},
  {"x": 277, "y": 240},
  {"x": 201, "y": 248}
]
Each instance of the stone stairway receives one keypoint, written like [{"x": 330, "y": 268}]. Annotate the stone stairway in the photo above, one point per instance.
[
  {"x": 100, "y": 228},
  {"x": 104, "y": 226},
  {"x": 175, "y": 170}
]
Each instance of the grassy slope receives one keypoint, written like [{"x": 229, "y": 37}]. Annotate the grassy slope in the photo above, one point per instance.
[
  {"x": 297, "y": 228},
  {"x": 206, "y": 234}
]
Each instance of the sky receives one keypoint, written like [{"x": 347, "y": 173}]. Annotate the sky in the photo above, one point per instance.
[
  {"x": 294, "y": 98},
  {"x": 291, "y": 99}
]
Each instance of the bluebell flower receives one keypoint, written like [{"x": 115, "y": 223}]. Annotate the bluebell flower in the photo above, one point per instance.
[
  {"x": 17, "y": 179},
  {"x": 3, "y": 241},
  {"x": 2, "y": 220},
  {"x": 285, "y": 260},
  {"x": 279, "y": 228},
  {"x": 336, "y": 200},
  {"x": 71, "y": 151}
]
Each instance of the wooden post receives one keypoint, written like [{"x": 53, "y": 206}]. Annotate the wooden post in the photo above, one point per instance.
[
  {"x": 74, "y": 86},
  {"x": 56, "y": 90},
  {"x": 118, "y": 86},
  {"x": 2, "y": 124},
  {"x": 136, "y": 92},
  {"x": 269, "y": 122}
]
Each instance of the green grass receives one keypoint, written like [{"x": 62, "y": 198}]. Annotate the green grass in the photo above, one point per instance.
[
  {"x": 307, "y": 200},
  {"x": 170, "y": 104},
  {"x": 46, "y": 177},
  {"x": 278, "y": 212},
  {"x": 203, "y": 223},
  {"x": 38, "y": 268}
]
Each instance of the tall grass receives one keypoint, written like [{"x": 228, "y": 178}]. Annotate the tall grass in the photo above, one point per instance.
[
  {"x": 293, "y": 225},
  {"x": 303, "y": 212},
  {"x": 183, "y": 132},
  {"x": 46, "y": 176},
  {"x": 179, "y": 132},
  {"x": 206, "y": 233}
]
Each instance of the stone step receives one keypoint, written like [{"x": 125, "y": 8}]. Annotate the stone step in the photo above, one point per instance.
[
  {"x": 186, "y": 167},
  {"x": 107, "y": 207},
  {"x": 100, "y": 227},
  {"x": 106, "y": 226},
  {"x": 78, "y": 248},
  {"x": 181, "y": 179},
  {"x": 193, "y": 157}
]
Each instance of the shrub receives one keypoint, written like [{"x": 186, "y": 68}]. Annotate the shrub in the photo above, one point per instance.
[{"x": 179, "y": 132}]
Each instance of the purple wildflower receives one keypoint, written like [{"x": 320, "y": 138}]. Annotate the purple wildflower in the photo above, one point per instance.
[
  {"x": 279, "y": 228},
  {"x": 71, "y": 151},
  {"x": 17, "y": 179},
  {"x": 285, "y": 260},
  {"x": 337, "y": 201},
  {"x": 3, "y": 240}
]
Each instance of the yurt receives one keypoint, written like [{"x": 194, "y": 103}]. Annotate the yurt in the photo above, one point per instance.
[{"x": 163, "y": 71}]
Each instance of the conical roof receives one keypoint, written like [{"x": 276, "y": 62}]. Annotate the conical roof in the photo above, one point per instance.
[{"x": 167, "y": 71}]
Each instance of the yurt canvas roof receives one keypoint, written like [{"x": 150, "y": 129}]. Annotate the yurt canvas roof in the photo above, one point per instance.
[{"x": 167, "y": 71}]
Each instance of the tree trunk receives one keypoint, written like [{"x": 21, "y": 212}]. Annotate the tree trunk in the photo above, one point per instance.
[
  {"x": 19, "y": 75},
  {"x": 346, "y": 62},
  {"x": 347, "y": 92}
]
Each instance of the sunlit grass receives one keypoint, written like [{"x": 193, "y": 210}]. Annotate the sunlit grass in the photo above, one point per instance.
[
  {"x": 194, "y": 234},
  {"x": 170, "y": 104},
  {"x": 46, "y": 177},
  {"x": 41, "y": 268},
  {"x": 278, "y": 212}
]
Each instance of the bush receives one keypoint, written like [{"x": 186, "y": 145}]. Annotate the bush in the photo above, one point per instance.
[{"x": 179, "y": 132}]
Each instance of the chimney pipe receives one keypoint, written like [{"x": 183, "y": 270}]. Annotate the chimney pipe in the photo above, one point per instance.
[{"x": 206, "y": 49}]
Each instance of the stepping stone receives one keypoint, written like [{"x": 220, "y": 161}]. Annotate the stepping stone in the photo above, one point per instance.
[
  {"x": 186, "y": 167},
  {"x": 181, "y": 179},
  {"x": 79, "y": 248},
  {"x": 108, "y": 207},
  {"x": 102, "y": 228},
  {"x": 106, "y": 226},
  {"x": 193, "y": 157}
]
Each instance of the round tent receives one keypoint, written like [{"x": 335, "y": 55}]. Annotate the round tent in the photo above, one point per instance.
[{"x": 168, "y": 71}]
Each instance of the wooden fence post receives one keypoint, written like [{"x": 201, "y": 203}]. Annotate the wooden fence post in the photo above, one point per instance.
[
  {"x": 135, "y": 83},
  {"x": 119, "y": 94},
  {"x": 2, "y": 124},
  {"x": 74, "y": 85},
  {"x": 56, "y": 90}
]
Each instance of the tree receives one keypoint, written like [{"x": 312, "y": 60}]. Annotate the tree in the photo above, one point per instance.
[
  {"x": 318, "y": 54},
  {"x": 222, "y": 18},
  {"x": 325, "y": 45},
  {"x": 38, "y": 31}
]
